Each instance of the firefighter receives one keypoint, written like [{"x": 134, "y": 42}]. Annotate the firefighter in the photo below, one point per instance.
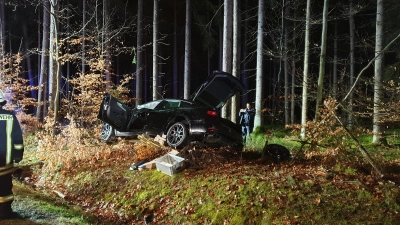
[{"x": 11, "y": 150}]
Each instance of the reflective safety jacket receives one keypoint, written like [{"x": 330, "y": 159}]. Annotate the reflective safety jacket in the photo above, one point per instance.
[{"x": 11, "y": 142}]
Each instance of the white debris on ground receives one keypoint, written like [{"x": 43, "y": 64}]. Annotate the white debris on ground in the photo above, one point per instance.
[{"x": 158, "y": 142}]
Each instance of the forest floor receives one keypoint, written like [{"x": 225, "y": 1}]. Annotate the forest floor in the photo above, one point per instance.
[{"x": 217, "y": 186}]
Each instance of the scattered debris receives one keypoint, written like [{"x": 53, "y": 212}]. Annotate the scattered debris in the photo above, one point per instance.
[
  {"x": 136, "y": 165},
  {"x": 161, "y": 139},
  {"x": 61, "y": 195},
  {"x": 152, "y": 164},
  {"x": 146, "y": 139},
  {"x": 173, "y": 152},
  {"x": 148, "y": 166},
  {"x": 169, "y": 164},
  {"x": 204, "y": 157}
]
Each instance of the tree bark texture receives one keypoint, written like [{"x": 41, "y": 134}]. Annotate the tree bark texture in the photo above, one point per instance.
[
  {"x": 335, "y": 62},
  {"x": 139, "y": 63},
  {"x": 258, "y": 119},
  {"x": 155, "y": 50},
  {"x": 377, "y": 128},
  {"x": 53, "y": 67},
  {"x": 175, "y": 55},
  {"x": 351, "y": 26},
  {"x": 236, "y": 56},
  {"x": 2, "y": 40},
  {"x": 106, "y": 41},
  {"x": 322, "y": 59},
  {"x": 42, "y": 93},
  {"x": 286, "y": 60},
  {"x": 186, "y": 70},
  {"x": 227, "y": 45},
  {"x": 305, "y": 72}
]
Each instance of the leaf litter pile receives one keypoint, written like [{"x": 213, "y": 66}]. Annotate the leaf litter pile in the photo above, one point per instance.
[{"x": 222, "y": 186}]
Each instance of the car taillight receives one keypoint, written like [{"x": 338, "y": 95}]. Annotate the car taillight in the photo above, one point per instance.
[
  {"x": 212, "y": 113},
  {"x": 212, "y": 129}
]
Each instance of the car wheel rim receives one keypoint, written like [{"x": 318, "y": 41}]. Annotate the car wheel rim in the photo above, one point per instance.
[
  {"x": 106, "y": 131},
  {"x": 176, "y": 134}
]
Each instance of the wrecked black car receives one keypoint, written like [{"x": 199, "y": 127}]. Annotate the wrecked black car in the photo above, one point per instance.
[{"x": 181, "y": 121}]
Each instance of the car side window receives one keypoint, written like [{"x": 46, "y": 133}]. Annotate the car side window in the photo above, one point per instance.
[
  {"x": 184, "y": 104},
  {"x": 163, "y": 105},
  {"x": 174, "y": 104}
]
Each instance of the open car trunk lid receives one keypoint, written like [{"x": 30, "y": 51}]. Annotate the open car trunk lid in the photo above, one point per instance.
[
  {"x": 217, "y": 89},
  {"x": 114, "y": 112}
]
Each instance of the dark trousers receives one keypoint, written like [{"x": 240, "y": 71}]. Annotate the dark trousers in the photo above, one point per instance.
[{"x": 6, "y": 195}]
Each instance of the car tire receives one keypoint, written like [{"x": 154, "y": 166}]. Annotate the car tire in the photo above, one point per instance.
[
  {"x": 177, "y": 135},
  {"x": 107, "y": 132}
]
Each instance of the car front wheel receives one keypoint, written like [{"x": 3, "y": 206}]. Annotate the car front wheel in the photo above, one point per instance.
[
  {"x": 177, "y": 135},
  {"x": 107, "y": 132}
]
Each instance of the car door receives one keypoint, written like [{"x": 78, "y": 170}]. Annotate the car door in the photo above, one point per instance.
[
  {"x": 114, "y": 112},
  {"x": 157, "y": 119},
  {"x": 138, "y": 119}
]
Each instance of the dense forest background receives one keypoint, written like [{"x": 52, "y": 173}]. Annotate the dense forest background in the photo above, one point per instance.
[
  {"x": 326, "y": 69},
  {"x": 59, "y": 57}
]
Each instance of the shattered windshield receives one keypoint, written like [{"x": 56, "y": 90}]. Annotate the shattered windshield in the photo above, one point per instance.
[{"x": 149, "y": 105}]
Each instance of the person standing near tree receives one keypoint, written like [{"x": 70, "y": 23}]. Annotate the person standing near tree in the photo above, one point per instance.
[
  {"x": 247, "y": 120},
  {"x": 11, "y": 150}
]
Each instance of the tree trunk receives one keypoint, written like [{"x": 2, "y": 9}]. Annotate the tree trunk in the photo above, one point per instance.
[
  {"x": 258, "y": 119},
  {"x": 305, "y": 72},
  {"x": 53, "y": 54},
  {"x": 54, "y": 65},
  {"x": 350, "y": 106},
  {"x": 335, "y": 61},
  {"x": 106, "y": 41},
  {"x": 65, "y": 82},
  {"x": 377, "y": 128},
  {"x": 83, "y": 36},
  {"x": 39, "y": 47},
  {"x": 175, "y": 56},
  {"x": 245, "y": 98},
  {"x": 2, "y": 40},
  {"x": 236, "y": 55},
  {"x": 41, "y": 109},
  {"x": 155, "y": 50},
  {"x": 227, "y": 45},
  {"x": 294, "y": 59},
  {"x": 186, "y": 72},
  {"x": 286, "y": 61},
  {"x": 292, "y": 92},
  {"x": 139, "y": 63},
  {"x": 2, "y": 28},
  {"x": 322, "y": 57}
]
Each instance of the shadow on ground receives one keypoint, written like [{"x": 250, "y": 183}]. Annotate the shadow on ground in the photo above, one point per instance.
[{"x": 35, "y": 208}]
